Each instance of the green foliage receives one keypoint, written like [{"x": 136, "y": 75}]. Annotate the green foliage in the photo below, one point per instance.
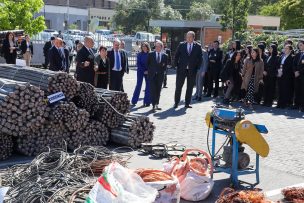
[
  {"x": 132, "y": 16},
  {"x": 73, "y": 26},
  {"x": 183, "y": 6},
  {"x": 168, "y": 13},
  {"x": 200, "y": 11},
  {"x": 20, "y": 15},
  {"x": 271, "y": 10},
  {"x": 292, "y": 14},
  {"x": 256, "y": 38},
  {"x": 235, "y": 15}
]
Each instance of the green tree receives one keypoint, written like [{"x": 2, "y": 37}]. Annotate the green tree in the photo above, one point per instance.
[
  {"x": 20, "y": 15},
  {"x": 235, "y": 15},
  {"x": 292, "y": 15},
  {"x": 183, "y": 6},
  {"x": 271, "y": 10},
  {"x": 200, "y": 11},
  {"x": 257, "y": 5},
  {"x": 168, "y": 13},
  {"x": 218, "y": 6},
  {"x": 135, "y": 15}
]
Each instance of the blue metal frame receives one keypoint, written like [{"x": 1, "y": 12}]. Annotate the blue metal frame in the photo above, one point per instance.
[{"x": 233, "y": 171}]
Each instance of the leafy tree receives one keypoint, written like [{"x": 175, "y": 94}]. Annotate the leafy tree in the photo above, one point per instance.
[
  {"x": 183, "y": 6},
  {"x": 271, "y": 10},
  {"x": 217, "y": 5},
  {"x": 235, "y": 15},
  {"x": 20, "y": 15},
  {"x": 200, "y": 11},
  {"x": 135, "y": 15},
  {"x": 168, "y": 13},
  {"x": 257, "y": 5},
  {"x": 292, "y": 15}
]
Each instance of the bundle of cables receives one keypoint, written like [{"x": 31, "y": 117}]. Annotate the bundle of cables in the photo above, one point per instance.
[
  {"x": 152, "y": 175},
  {"x": 294, "y": 194},
  {"x": 229, "y": 195}
]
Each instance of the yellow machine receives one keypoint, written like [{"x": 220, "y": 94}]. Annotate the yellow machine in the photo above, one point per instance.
[{"x": 238, "y": 132}]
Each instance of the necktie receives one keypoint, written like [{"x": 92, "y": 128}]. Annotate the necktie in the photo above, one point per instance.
[
  {"x": 190, "y": 49},
  {"x": 117, "y": 62},
  {"x": 158, "y": 58}
]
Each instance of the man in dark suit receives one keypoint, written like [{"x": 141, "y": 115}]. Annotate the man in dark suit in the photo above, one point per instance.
[
  {"x": 67, "y": 57},
  {"x": 85, "y": 62},
  {"x": 122, "y": 48},
  {"x": 188, "y": 59},
  {"x": 57, "y": 57},
  {"x": 118, "y": 65},
  {"x": 215, "y": 66},
  {"x": 157, "y": 63},
  {"x": 46, "y": 48},
  {"x": 299, "y": 77}
]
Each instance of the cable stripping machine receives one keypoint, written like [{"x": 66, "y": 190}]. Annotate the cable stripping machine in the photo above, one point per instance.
[{"x": 239, "y": 132}]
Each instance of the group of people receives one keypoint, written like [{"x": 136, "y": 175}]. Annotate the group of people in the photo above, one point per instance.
[
  {"x": 264, "y": 74},
  {"x": 105, "y": 70},
  {"x": 11, "y": 48},
  {"x": 253, "y": 75}
]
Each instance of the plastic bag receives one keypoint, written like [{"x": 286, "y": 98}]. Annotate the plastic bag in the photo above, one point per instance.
[
  {"x": 120, "y": 185},
  {"x": 193, "y": 174},
  {"x": 195, "y": 187},
  {"x": 168, "y": 191}
]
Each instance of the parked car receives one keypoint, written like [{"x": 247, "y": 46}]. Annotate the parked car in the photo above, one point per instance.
[
  {"x": 104, "y": 32},
  {"x": 144, "y": 36}
]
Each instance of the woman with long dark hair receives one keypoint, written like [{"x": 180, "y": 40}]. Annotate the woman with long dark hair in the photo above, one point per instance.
[
  {"x": 286, "y": 78},
  {"x": 252, "y": 76},
  {"x": 231, "y": 75},
  {"x": 9, "y": 48},
  {"x": 142, "y": 73},
  {"x": 270, "y": 75}
]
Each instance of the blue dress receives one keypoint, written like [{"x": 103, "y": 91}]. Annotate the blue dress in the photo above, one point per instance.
[{"x": 141, "y": 68}]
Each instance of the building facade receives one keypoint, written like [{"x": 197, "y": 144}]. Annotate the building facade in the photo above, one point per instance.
[{"x": 60, "y": 14}]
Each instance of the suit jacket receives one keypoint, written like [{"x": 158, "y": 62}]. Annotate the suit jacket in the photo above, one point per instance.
[
  {"x": 217, "y": 56},
  {"x": 287, "y": 67},
  {"x": 154, "y": 67},
  {"x": 6, "y": 49},
  {"x": 299, "y": 63},
  {"x": 272, "y": 65},
  {"x": 47, "y": 46},
  {"x": 85, "y": 74},
  {"x": 67, "y": 61},
  {"x": 23, "y": 47},
  {"x": 123, "y": 57},
  {"x": 57, "y": 60},
  {"x": 183, "y": 59}
]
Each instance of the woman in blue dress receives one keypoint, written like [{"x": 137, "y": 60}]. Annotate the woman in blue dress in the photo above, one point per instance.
[{"x": 142, "y": 73}]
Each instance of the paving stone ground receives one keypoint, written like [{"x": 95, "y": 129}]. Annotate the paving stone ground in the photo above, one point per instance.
[{"x": 283, "y": 167}]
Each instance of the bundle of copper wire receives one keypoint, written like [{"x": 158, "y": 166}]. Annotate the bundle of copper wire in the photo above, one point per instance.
[
  {"x": 152, "y": 175},
  {"x": 294, "y": 194},
  {"x": 243, "y": 196}
]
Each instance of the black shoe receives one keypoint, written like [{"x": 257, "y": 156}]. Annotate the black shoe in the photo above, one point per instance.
[
  {"x": 215, "y": 96},
  {"x": 207, "y": 95},
  {"x": 165, "y": 87},
  {"x": 188, "y": 106},
  {"x": 157, "y": 108},
  {"x": 199, "y": 99},
  {"x": 175, "y": 106},
  {"x": 146, "y": 105}
]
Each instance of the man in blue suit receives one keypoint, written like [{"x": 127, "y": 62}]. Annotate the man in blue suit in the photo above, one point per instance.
[{"x": 57, "y": 57}]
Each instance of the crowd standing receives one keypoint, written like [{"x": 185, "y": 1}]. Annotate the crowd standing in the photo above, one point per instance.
[{"x": 261, "y": 75}]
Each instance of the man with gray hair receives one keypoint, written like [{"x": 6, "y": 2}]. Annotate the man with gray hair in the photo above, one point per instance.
[
  {"x": 157, "y": 63},
  {"x": 118, "y": 66},
  {"x": 85, "y": 62},
  {"x": 188, "y": 59}
]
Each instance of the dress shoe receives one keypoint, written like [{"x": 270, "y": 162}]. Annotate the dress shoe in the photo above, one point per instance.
[
  {"x": 199, "y": 99},
  {"x": 215, "y": 95},
  {"x": 188, "y": 107},
  {"x": 157, "y": 108},
  {"x": 175, "y": 106},
  {"x": 146, "y": 105},
  {"x": 165, "y": 87}
]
